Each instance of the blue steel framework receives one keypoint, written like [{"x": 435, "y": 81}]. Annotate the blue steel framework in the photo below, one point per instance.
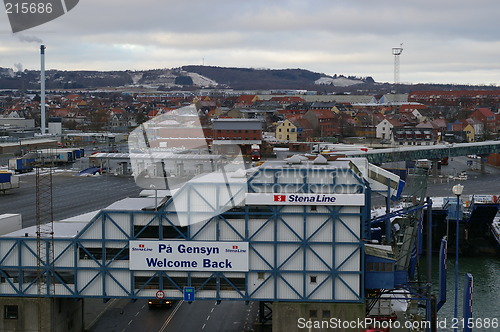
[{"x": 91, "y": 264}]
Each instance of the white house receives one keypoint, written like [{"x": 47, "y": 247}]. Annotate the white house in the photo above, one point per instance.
[{"x": 384, "y": 130}]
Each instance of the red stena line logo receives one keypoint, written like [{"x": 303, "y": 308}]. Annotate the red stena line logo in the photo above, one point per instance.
[
  {"x": 235, "y": 248},
  {"x": 141, "y": 247},
  {"x": 280, "y": 198}
]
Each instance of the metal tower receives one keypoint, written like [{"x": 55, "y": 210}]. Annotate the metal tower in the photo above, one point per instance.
[
  {"x": 44, "y": 232},
  {"x": 44, "y": 224},
  {"x": 396, "y": 51}
]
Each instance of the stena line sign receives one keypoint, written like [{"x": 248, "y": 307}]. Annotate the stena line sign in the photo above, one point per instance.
[
  {"x": 188, "y": 256},
  {"x": 304, "y": 199}
]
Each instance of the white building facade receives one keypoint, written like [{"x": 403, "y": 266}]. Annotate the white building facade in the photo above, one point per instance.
[{"x": 282, "y": 232}]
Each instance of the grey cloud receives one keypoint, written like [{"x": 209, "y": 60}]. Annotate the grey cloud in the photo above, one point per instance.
[
  {"x": 27, "y": 39},
  {"x": 350, "y": 37}
]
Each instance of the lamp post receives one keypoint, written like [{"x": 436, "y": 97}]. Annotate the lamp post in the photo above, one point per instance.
[{"x": 457, "y": 190}]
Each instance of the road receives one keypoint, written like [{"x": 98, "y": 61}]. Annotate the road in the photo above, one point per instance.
[
  {"x": 228, "y": 316},
  {"x": 476, "y": 184},
  {"x": 72, "y": 195}
]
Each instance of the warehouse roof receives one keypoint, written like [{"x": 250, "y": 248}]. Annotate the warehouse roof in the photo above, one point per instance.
[{"x": 61, "y": 230}]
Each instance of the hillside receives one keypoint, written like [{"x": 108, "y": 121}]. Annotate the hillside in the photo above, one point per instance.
[
  {"x": 249, "y": 78},
  {"x": 177, "y": 78},
  {"x": 196, "y": 77}
]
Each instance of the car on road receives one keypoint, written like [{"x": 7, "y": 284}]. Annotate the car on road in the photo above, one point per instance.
[{"x": 160, "y": 303}]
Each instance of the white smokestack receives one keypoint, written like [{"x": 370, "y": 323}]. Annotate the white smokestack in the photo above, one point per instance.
[{"x": 42, "y": 88}]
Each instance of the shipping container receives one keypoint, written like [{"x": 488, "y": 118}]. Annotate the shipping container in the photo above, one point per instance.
[
  {"x": 57, "y": 155},
  {"x": 423, "y": 163},
  {"x": 10, "y": 222},
  {"x": 5, "y": 176},
  {"x": 21, "y": 164},
  {"x": 8, "y": 180}
]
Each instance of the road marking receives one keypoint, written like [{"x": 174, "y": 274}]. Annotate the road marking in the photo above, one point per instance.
[
  {"x": 212, "y": 310},
  {"x": 203, "y": 326},
  {"x": 130, "y": 322},
  {"x": 169, "y": 318},
  {"x": 137, "y": 313},
  {"x": 102, "y": 312},
  {"x": 208, "y": 317},
  {"x": 143, "y": 306}
]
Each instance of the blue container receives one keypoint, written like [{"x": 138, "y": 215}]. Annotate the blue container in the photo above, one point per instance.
[
  {"x": 5, "y": 177},
  {"x": 19, "y": 164},
  {"x": 401, "y": 277}
]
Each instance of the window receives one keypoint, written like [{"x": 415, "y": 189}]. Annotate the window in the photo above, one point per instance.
[
  {"x": 169, "y": 232},
  {"x": 260, "y": 275},
  {"x": 97, "y": 253},
  {"x": 149, "y": 282},
  {"x": 379, "y": 267},
  {"x": 11, "y": 312},
  {"x": 313, "y": 279},
  {"x": 326, "y": 313},
  {"x": 313, "y": 313}
]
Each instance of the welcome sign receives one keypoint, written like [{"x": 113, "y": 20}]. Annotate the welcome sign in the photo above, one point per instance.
[{"x": 188, "y": 256}]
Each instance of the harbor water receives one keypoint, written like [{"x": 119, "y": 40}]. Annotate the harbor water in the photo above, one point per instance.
[
  {"x": 485, "y": 269},
  {"x": 485, "y": 297}
]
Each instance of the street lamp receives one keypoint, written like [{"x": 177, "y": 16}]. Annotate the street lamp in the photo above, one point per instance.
[{"x": 457, "y": 190}]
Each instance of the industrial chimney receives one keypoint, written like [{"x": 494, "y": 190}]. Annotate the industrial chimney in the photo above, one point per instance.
[{"x": 42, "y": 88}]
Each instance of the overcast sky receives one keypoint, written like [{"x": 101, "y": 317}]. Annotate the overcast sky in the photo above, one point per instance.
[{"x": 444, "y": 41}]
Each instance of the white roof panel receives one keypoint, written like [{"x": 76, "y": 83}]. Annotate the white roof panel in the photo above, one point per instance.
[
  {"x": 132, "y": 204},
  {"x": 86, "y": 217},
  {"x": 61, "y": 230}
]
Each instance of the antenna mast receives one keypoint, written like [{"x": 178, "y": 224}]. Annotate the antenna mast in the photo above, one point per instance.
[
  {"x": 396, "y": 51},
  {"x": 42, "y": 90}
]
